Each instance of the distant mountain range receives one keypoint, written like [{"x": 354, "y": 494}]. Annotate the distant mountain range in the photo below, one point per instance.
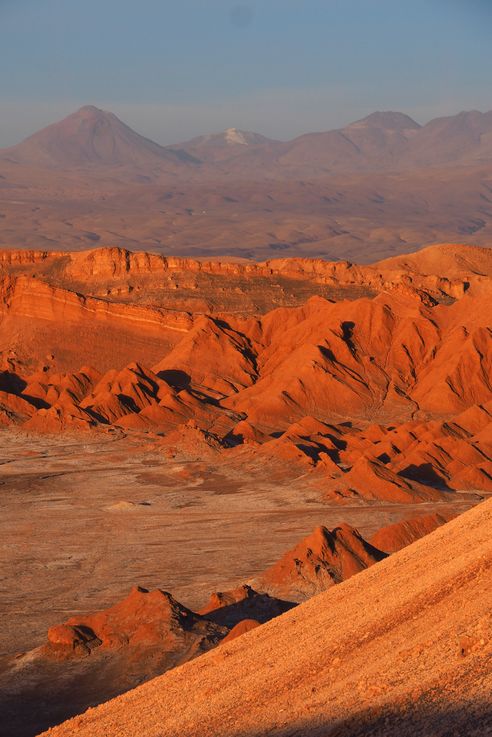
[
  {"x": 381, "y": 141},
  {"x": 378, "y": 187}
]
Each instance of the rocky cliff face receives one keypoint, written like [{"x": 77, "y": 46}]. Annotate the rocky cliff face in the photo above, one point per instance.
[{"x": 106, "y": 264}]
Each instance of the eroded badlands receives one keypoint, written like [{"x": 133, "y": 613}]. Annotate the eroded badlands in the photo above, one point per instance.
[{"x": 192, "y": 448}]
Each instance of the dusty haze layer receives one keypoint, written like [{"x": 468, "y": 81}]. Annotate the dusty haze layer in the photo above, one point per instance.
[{"x": 377, "y": 187}]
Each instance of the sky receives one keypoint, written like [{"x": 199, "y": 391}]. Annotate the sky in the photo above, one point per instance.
[{"x": 174, "y": 70}]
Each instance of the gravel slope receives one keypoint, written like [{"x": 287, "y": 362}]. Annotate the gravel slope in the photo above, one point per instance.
[{"x": 403, "y": 648}]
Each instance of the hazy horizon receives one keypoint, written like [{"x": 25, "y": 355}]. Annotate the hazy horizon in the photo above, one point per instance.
[
  {"x": 173, "y": 71},
  {"x": 125, "y": 119}
]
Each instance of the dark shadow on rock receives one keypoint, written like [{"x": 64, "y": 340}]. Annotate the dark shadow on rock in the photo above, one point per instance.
[
  {"x": 413, "y": 720},
  {"x": 261, "y": 607},
  {"x": 175, "y": 378},
  {"x": 11, "y": 383},
  {"x": 425, "y": 473},
  {"x": 129, "y": 403},
  {"x": 51, "y": 692},
  {"x": 347, "y": 335},
  {"x": 96, "y": 416},
  {"x": 234, "y": 439},
  {"x": 48, "y": 690}
]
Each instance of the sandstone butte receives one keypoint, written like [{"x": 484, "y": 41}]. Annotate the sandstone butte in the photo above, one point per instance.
[
  {"x": 374, "y": 379},
  {"x": 403, "y": 648}
]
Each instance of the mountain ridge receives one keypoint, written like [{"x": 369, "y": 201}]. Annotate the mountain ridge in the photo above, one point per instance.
[
  {"x": 91, "y": 135},
  {"x": 376, "y": 188}
]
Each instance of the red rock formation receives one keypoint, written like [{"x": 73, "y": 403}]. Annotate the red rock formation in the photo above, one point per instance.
[
  {"x": 144, "y": 619},
  {"x": 322, "y": 559},
  {"x": 371, "y": 479},
  {"x": 245, "y": 625},
  {"x": 61, "y": 416},
  {"x": 286, "y": 383},
  {"x": 35, "y": 317},
  {"x": 389, "y": 650},
  {"x": 14, "y": 409},
  {"x": 397, "y": 536},
  {"x": 244, "y": 603},
  {"x": 213, "y": 357}
]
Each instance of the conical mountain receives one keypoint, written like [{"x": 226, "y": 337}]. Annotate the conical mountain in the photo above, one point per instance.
[{"x": 91, "y": 136}]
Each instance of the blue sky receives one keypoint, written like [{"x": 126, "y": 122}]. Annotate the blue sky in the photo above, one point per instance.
[{"x": 174, "y": 70}]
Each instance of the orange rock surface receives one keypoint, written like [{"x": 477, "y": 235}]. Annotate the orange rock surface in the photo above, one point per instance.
[
  {"x": 382, "y": 397},
  {"x": 245, "y": 625},
  {"x": 398, "y": 536},
  {"x": 321, "y": 560},
  {"x": 144, "y": 619},
  {"x": 230, "y": 608}
]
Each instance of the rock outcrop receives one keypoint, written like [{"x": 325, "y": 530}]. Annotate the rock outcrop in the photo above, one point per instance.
[
  {"x": 230, "y": 608},
  {"x": 321, "y": 560},
  {"x": 292, "y": 387},
  {"x": 394, "y": 537},
  {"x": 143, "y": 620}
]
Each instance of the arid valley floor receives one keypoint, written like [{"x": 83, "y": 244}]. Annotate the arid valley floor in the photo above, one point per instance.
[{"x": 375, "y": 188}]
